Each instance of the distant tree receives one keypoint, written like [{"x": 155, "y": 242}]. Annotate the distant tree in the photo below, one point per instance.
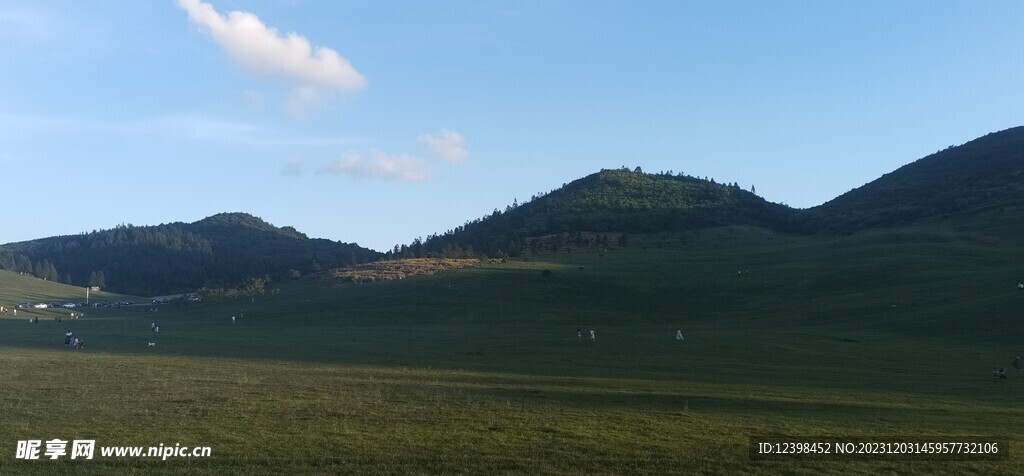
[
  {"x": 254, "y": 287},
  {"x": 623, "y": 240},
  {"x": 7, "y": 260},
  {"x": 638, "y": 170},
  {"x": 97, "y": 279},
  {"x": 752, "y": 189},
  {"x": 294, "y": 274},
  {"x": 50, "y": 272},
  {"x": 23, "y": 264}
]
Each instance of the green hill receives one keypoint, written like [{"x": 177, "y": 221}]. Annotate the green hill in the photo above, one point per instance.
[
  {"x": 222, "y": 250},
  {"x": 982, "y": 178},
  {"x": 597, "y": 209},
  {"x": 977, "y": 186}
]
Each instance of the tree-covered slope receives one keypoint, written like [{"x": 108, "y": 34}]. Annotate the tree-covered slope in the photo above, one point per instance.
[
  {"x": 985, "y": 175},
  {"x": 617, "y": 201},
  {"x": 222, "y": 250}
]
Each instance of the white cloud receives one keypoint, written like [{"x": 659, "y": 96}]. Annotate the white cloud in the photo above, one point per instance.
[
  {"x": 401, "y": 167},
  {"x": 448, "y": 146},
  {"x": 264, "y": 50}
]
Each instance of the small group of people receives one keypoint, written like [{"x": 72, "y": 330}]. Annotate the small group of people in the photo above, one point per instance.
[
  {"x": 153, "y": 326},
  {"x": 72, "y": 341},
  {"x": 579, "y": 334}
]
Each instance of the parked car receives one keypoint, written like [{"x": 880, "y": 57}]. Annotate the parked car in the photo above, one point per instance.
[
  {"x": 41, "y": 305},
  {"x": 23, "y": 305},
  {"x": 70, "y": 305}
]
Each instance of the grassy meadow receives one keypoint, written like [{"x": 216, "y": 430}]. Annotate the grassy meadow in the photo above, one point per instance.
[{"x": 480, "y": 370}]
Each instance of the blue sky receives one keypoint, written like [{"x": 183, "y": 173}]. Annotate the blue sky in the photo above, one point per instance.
[{"x": 377, "y": 122}]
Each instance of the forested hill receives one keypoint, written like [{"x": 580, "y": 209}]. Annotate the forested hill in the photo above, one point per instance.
[
  {"x": 982, "y": 177},
  {"x": 604, "y": 205},
  {"x": 220, "y": 251}
]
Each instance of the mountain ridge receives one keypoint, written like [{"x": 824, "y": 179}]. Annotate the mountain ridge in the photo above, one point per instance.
[
  {"x": 978, "y": 176},
  {"x": 221, "y": 250},
  {"x": 977, "y": 185}
]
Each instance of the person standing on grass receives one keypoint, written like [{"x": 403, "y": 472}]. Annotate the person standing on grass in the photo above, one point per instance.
[
  {"x": 593, "y": 335},
  {"x": 67, "y": 337},
  {"x": 679, "y": 334},
  {"x": 579, "y": 334},
  {"x": 232, "y": 319}
]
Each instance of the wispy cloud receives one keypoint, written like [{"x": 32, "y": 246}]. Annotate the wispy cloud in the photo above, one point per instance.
[
  {"x": 264, "y": 50},
  {"x": 401, "y": 167},
  {"x": 447, "y": 145}
]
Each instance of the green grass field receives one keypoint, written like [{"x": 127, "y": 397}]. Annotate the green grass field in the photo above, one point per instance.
[{"x": 480, "y": 370}]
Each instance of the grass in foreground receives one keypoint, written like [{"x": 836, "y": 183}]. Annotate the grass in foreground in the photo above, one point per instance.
[{"x": 480, "y": 370}]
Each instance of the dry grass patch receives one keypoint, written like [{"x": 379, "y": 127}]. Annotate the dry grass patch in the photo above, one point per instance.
[{"x": 399, "y": 269}]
